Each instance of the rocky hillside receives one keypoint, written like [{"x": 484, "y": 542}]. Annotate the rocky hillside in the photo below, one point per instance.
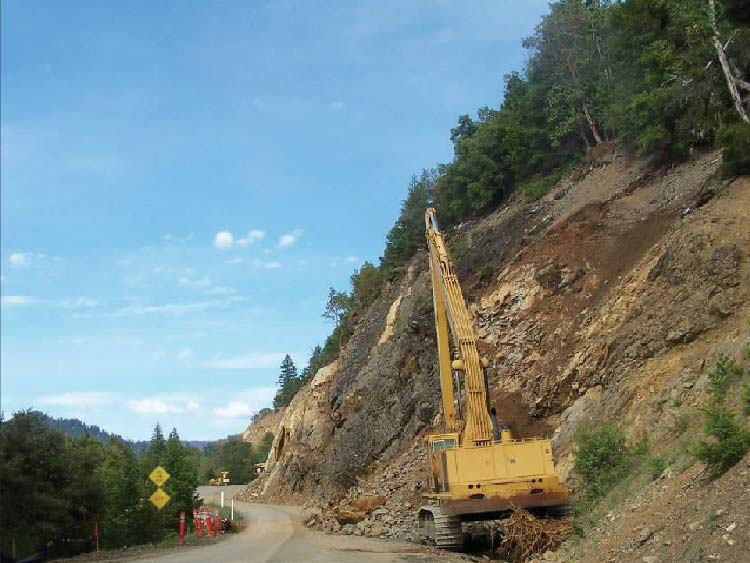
[
  {"x": 605, "y": 300},
  {"x": 260, "y": 426}
]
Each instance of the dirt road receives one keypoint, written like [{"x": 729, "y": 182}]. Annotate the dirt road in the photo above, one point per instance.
[{"x": 276, "y": 534}]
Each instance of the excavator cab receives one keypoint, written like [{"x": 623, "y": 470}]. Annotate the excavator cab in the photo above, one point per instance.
[{"x": 437, "y": 444}]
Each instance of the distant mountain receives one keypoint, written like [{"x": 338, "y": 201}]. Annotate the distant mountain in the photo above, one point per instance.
[{"x": 77, "y": 428}]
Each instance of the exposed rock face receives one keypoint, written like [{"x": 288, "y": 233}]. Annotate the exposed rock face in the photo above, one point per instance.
[
  {"x": 604, "y": 301},
  {"x": 267, "y": 423}
]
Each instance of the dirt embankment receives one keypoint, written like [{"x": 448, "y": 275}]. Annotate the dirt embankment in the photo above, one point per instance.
[{"x": 606, "y": 300}]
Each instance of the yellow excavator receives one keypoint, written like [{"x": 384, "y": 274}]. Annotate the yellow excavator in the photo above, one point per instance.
[{"x": 479, "y": 471}]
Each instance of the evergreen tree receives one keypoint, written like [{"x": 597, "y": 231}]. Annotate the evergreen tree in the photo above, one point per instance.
[
  {"x": 182, "y": 482},
  {"x": 289, "y": 383},
  {"x": 33, "y": 479}
]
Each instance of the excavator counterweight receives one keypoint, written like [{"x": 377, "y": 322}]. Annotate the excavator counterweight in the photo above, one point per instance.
[{"x": 478, "y": 470}]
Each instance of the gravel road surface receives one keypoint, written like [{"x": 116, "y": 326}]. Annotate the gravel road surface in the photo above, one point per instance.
[{"x": 276, "y": 534}]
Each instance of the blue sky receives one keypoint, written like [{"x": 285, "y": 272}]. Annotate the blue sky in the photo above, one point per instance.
[{"x": 182, "y": 181}]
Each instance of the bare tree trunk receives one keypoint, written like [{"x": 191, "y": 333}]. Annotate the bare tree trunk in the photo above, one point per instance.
[
  {"x": 730, "y": 78},
  {"x": 592, "y": 124}
]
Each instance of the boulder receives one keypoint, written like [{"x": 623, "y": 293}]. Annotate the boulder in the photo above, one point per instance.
[{"x": 359, "y": 509}]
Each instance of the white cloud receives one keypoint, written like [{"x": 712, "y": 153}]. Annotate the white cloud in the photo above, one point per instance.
[
  {"x": 153, "y": 406},
  {"x": 81, "y": 399},
  {"x": 170, "y": 238},
  {"x": 29, "y": 259},
  {"x": 16, "y": 300},
  {"x": 223, "y": 240},
  {"x": 253, "y": 360},
  {"x": 184, "y": 354},
  {"x": 173, "y": 403},
  {"x": 257, "y": 264},
  {"x": 78, "y": 303},
  {"x": 234, "y": 409},
  {"x": 72, "y": 303},
  {"x": 253, "y": 235},
  {"x": 173, "y": 309},
  {"x": 20, "y": 259},
  {"x": 290, "y": 238},
  {"x": 206, "y": 285},
  {"x": 245, "y": 403},
  {"x": 336, "y": 105}
]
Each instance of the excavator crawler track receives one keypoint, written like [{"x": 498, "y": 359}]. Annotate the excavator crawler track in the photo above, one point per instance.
[{"x": 442, "y": 530}]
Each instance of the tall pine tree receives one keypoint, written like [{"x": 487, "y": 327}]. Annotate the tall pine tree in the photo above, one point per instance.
[{"x": 289, "y": 383}]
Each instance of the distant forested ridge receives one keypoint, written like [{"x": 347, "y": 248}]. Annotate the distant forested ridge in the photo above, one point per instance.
[
  {"x": 77, "y": 429},
  {"x": 658, "y": 78}
]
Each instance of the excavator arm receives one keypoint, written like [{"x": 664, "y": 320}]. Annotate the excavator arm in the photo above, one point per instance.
[{"x": 452, "y": 316}]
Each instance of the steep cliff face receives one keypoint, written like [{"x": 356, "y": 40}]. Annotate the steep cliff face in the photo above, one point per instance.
[
  {"x": 258, "y": 428},
  {"x": 602, "y": 301}
]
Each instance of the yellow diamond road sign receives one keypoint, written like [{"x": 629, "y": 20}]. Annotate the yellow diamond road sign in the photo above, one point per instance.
[
  {"x": 159, "y": 498},
  {"x": 159, "y": 476}
]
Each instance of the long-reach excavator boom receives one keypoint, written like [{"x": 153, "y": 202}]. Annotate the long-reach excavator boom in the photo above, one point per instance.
[
  {"x": 478, "y": 471},
  {"x": 451, "y": 311}
]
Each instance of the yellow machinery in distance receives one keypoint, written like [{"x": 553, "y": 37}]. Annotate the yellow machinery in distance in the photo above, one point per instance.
[
  {"x": 478, "y": 470},
  {"x": 220, "y": 481}
]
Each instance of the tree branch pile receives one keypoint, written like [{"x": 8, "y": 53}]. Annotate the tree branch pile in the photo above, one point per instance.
[{"x": 523, "y": 534}]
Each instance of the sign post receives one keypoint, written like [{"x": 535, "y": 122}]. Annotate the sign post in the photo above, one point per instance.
[
  {"x": 222, "y": 499},
  {"x": 232, "y": 509}
]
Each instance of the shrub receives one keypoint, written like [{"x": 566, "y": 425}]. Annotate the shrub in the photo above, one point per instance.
[
  {"x": 735, "y": 140},
  {"x": 726, "y": 372},
  {"x": 681, "y": 423},
  {"x": 535, "y": 189},
  {"x": 728, "y": 442},
  {"x": 602, "y": 458}
]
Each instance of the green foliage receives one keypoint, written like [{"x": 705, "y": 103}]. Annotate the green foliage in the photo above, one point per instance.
[
  {"x": 237, "y": 457},
  {"x": 183, "y": 470},
  {"x": 728, "y": 442},
  {"x": 727, "y": 439},
  {"x": 745, "y": 398},
  {"x": 366, "y": 285},
  {"x": 602, "y": 458},
  {"x": 735, "y": 140},
  {"x": 538, "y": 188},
  {"x": 289, "y": 383},
  {"x": 656, "y": 466},
  {"x": 407, "y": 235},
  {"x": 723, "y": 376},
  {"x": 55, "y": 488}
]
